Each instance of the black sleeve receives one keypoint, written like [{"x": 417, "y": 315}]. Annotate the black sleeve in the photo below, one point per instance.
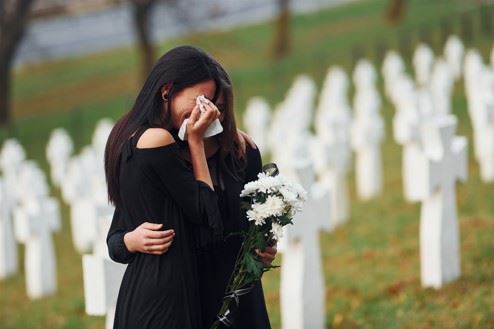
[
  {"x": 197, "y": 200},
  {"x": 254, "y": 164},
  {"x": 116, "y": 247}
]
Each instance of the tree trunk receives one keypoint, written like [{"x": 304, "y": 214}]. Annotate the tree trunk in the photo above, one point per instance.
[
  {"x": 142, "y": 9},
  {"x": 14, "y": 17},
  {"x": 4, "y": 93},
  {"x": 282, "y": 37},
  {"x": 396, "y": 11}
]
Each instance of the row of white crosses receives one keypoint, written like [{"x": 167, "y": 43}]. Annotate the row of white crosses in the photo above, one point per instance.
[
  {"x": 82, "y": 181},
  {"x": 288, "y": 138},
  {"x": 325, "y": 156},
  {"x": 433, "y": 157},
  {"x": 437, "y": 164},
  {"x": 29, "y": 216},
  {"x": 336, "y": 133},
  {"x": 320, "y": 162}
]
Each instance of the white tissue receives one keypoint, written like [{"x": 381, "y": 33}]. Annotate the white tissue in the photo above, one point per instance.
[{"x": 214, "y": 128}]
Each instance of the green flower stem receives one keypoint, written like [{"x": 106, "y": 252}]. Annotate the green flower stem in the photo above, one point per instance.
[{"x": 238, "y": 276}]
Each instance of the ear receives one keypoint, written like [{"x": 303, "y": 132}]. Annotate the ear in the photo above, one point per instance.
[{"x": 165, "y": 89}]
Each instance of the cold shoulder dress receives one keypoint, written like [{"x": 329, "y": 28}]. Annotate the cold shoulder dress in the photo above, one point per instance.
[{"x": 184, "y": 287}]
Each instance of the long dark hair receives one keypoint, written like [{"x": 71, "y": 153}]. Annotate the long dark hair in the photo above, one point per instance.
[
  {"x": 228, "y": 139},
  {"x": 180, "y": 67}
]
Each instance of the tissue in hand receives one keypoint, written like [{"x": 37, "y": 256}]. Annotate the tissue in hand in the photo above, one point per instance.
[{"x": 214, "y": 128}]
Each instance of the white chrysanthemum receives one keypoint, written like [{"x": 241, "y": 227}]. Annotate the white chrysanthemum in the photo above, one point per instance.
[
  {"x": 267, "y": 183},
  {"x": 277, "y": 231},
  {"x": 289, "y": 195},
  {"x": 273, "y": 206},
  {"x": 255, "y": 216},
  {"x": 250, "y": 189}
]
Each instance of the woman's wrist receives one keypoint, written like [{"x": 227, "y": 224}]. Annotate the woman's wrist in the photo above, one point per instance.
[
  {"x": 127, "y": 238},
  {"x": 195, "y": 143}
]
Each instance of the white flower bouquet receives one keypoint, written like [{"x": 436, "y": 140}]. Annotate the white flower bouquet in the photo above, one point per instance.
[{"x": 271, "y": 202}]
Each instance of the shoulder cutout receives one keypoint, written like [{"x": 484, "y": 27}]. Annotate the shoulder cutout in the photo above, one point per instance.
[{"x": 155, "y": 137}]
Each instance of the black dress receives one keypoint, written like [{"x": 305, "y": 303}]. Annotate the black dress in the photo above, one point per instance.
[{"x": 184, "y": 287}]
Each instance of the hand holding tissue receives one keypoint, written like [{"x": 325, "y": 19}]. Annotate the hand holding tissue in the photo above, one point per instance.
[{"x": 214, "y": 128}]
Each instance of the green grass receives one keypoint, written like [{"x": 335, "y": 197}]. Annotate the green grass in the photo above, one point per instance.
[{"x": 371, "y": 264}]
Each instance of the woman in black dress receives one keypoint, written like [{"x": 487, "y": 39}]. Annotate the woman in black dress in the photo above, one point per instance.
[{"x": 176, "y": 277}]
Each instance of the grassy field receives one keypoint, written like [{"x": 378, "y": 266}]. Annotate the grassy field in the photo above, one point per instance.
[{"x": 371, "y": 264}]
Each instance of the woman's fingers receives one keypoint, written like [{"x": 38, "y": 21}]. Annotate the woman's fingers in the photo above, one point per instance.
[
  {"x": 159, "y": 234},
  {"x": 271, "y": 250},
  {"x": 159, "y": 249},
  {"x": 194, "y": 115},
  {"x": 211, "y": 111},
  {"x": 151, "y": 226},
  {"x": 268, "y": 255},
  {"x": 199, "y": 122},
  {"x": 157, "y": 242}
]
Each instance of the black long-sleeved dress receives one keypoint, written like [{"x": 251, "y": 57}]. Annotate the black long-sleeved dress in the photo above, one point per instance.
[{"x": 184, "y": 287}]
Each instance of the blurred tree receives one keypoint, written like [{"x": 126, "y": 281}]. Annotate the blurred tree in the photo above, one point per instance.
[
  {"x": 14, "y": 18},
  {"x": 282, "y": 36},
  {"x": 396, "y": 11},
  {"x": 141, "y": 10}
]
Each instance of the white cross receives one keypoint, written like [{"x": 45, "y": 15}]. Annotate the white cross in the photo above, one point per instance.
[
  {"x": 484, "y": 127},
  {"x": 35, "y": 222},
  {"x": 334, "y": 132},
  {"x": 256, "y": 121},
  {"x": 302, "y": 281},
  {"x": 367, "y": 132},
  {"x": 8, "y": 247},
  {"x": 58, "y": 152},
  {"x": 446, "y": 163},
  {"x": 406, "y": 129},
  {"x": 35, "y": 219}
]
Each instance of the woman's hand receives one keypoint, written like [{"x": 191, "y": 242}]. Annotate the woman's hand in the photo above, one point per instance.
[
  {"x": 243, "y": 139},
  {"x": 199, "y": 122},
  {"x": 148, "y": 238},
  {"x": 268, "y": 256},
  {"x": 196, "y": 127}
]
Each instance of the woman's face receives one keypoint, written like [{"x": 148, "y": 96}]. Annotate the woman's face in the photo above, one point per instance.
[{"x": 184, "y": 101}]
